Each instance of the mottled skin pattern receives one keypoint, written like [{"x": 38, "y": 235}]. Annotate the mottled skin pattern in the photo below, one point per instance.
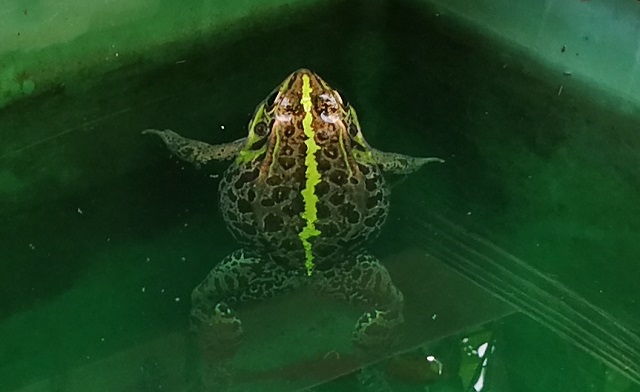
[
  {"x": 261, "y": 199},
  {"x": 262, "y": 204}
]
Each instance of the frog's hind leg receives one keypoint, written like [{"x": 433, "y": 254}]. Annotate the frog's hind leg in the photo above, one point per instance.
[
  {"x": 363, "y": 280},
  {"x": 241, "y": 276},
  {"x": 216, "y": 331}
]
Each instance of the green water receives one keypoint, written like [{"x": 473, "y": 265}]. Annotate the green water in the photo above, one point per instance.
[{"x": 525, "y": 237}]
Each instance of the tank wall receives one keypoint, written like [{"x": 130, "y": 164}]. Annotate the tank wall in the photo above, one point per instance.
[
  {"x": 596, "y": 41},
  {"x": 43, "y": 45}
]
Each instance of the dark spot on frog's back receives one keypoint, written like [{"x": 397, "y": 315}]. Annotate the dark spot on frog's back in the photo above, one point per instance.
[
  {"x": 371, "y": 183},
  {"x": 322, "y": 135},
  {"x": 324, "y": 165},
  {"x": 299, "y": 175},
  {"x": 376, "y": 219},
  {"x": 274, "y": 180},
  {"x": 337, "y": 198},
  {"x": 338, "y": 177},
  {"x": 290, "y": 244},
  {"x": 232, "y": 196},
  {"x": 244, "y": 206},
  {"x": 280, "y": 194},
  {"x": 349, "y": 211},
  {"x": 229, "y": 175},
  {"x": 324, "y": 250},
  {"x": 328, "y": 229},
  {"x": 289, "y": 131},
  {"x": 374, "y": 200},
  {"x": 330, "y": 152},
  {"x": 295, "y": 207},
  {"x": 323, "y": 211},
  {"x": 267, "y": 202},
  {"x": 251, "y": 195},
  {"x": 247, "y": 177},
  {"x": 287, "y": 151},
  {"x": 232, "y": 216},
  {"x": 364, "y": 169},
  {"x": 247, "y": 229},
  {"x": 286, "y": 162},
  {"x": 322, "y": 188},
  {"x": 273, "y": 223}
]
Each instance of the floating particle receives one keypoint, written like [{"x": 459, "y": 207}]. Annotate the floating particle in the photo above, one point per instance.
[{"x": 28, "y": 87}]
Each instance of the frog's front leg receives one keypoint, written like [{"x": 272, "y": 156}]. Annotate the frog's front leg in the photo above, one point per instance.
[
  {"x": 395, "y": 163},
  {"x": 195, "y": 151},
  {"x": 363, "y": 280}
]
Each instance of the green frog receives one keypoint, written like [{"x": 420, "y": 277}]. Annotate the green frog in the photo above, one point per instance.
[{"x": 303, "y": 194}]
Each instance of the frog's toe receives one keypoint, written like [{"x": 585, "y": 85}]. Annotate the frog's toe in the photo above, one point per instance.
[
  {"x": 424, "y": 161},
  {"x": 219, "y": 332},
  {"x": 377, "y": 330}
]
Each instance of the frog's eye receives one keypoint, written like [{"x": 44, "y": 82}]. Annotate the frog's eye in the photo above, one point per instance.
[{"x": 261, "y": 129}]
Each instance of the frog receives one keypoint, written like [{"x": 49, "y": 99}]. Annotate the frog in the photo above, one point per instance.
[{"x": 303, "y": 195}]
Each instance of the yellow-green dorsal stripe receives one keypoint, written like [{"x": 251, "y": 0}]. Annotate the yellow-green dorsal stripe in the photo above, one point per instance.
[{"x": 310, "y": 214}]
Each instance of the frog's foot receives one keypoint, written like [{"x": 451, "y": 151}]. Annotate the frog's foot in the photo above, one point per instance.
[
  {"x": 395, "y": 163},
  {"x": 377, "y": 330},
  {"x": 363, "y": 280},
  {"x": 240, "y": 277},
  {"x": 372, "y": 379},
  {"x": 214, "y": 338},
  {"x": 218, "y": 332}
]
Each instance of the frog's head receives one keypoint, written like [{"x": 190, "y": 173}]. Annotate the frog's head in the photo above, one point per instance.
[{"x": 302, "y": 109}]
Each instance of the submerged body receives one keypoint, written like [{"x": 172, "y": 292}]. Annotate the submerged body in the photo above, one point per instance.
[{"x": 303, "y": 194}]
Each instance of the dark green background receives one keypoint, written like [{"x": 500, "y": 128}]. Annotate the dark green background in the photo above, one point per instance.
[{"x": 552, "y": 179}]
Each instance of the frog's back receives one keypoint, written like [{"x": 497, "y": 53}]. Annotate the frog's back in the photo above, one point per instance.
[{"x": 263, "y": 204}]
